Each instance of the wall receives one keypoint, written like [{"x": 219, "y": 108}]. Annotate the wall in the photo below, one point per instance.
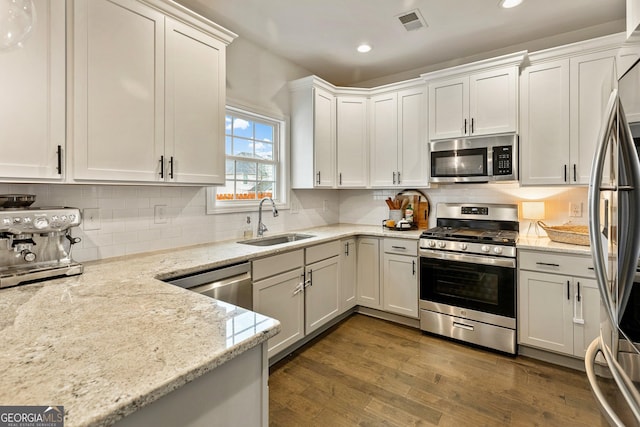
[{"x": 368, "y": 207}]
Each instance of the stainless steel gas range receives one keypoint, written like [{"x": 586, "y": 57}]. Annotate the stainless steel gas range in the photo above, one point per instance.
[{"x": 468, "y": 274}]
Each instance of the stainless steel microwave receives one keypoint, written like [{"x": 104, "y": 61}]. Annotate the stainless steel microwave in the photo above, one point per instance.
[{"x": 477, "y": 159}]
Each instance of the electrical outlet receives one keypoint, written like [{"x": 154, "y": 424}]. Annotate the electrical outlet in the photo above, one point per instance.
[
  {"x": 91, "y": 219},
  {"x": 575, "y": 210},
  {"x": 160, "y": 214}
]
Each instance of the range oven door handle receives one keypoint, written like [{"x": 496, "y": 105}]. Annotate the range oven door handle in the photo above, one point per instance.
[{"x": 472, "y": 259}]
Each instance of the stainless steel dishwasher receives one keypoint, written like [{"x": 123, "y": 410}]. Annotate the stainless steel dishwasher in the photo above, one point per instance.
[{"x": 230, "y": 284}]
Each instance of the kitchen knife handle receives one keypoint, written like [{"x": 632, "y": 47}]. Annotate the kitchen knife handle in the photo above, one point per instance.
[
  {"x": 161, "y": 166},
  {"x": 59, "y": 153}
]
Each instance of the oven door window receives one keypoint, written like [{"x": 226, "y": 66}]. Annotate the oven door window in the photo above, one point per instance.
[
  {"x": 471, "y": 162},
  {"x": 478, "y": 287}
]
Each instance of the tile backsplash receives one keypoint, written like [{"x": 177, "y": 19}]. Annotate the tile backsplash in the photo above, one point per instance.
[
  {"x": 124, "y": 221},
  {"x": 125, "y": 216}
]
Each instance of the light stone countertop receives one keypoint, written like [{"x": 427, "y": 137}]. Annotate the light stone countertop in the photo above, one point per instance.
[
  {"x": 107, "y": 342},
  {"x": 545, "y": 244}
]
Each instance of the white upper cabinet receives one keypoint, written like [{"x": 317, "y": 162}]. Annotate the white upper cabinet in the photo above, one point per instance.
[
  {"x": 397, "y": 141},
  {"x": 544, "y": 122},
  {"x": 352, "y": 142},
  {"x": 119, "y": 90},
  {"x": 592, "y": 79},
  {"x": 195, "y": 105},
  {"x": 474, "y": 99},
  {"x": 313, "y": 134},
  {"x": 122, "y": 130},
  {"x": 32, "y": 105},
  {"x": 563, "y": 95}
]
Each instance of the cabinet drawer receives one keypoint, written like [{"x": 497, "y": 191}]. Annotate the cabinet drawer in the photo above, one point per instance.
[
  {"x": 401, "y": 246},
  {"x": 276, "y": 264},
  {"x": 323, "y": 251},
  {"x": 572, "y": 265}
]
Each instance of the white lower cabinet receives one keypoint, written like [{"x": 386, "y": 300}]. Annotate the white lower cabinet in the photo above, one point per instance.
[
  {"x": 301, "y": 289},
  {"x": 278, "y": 292},
  {"x": 348, "y": 274},
  {"x": 557, "y": 310},
  {"x": 321, "y": 302},
  {"x": 400, "y": 277},
  {"x": 368, "y": 275}
]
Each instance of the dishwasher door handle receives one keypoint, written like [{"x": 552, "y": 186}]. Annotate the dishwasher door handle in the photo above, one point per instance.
[{"x": 239, "y": 279}]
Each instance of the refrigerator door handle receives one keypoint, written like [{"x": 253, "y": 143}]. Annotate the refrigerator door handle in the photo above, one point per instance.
[
  {"x": 597, "y": 170},
  {"x": 626, "y": 386}
]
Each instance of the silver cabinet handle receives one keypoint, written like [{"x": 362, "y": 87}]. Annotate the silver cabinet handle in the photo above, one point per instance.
[
  {"x": 398, "y": 177},
  {"x": 298, "y": 288},
  {"x": 394, "y": 177},
  {"x": 413, "y": 267},
  {"x": 318, "y": 177},
  {"x": 309, "y": 281},
  {"x": 340, "y": 178}
]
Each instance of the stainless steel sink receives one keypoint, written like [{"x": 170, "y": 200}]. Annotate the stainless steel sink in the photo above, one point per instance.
[{"x": 276, "y": 240}]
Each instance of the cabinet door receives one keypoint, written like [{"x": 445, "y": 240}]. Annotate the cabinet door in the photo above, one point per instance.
[
  {"x": 352, "y": 143},
  {"x": 32, "y": 105},
  {"x": 348, "y": 266},
  {"x": 281, "y": 297},
  {"x": 586, "y": 314},
  {"x": 384, "y": 140},
  {"x": 545, "y": 311},
  {"x": 544, "y": 123},
  {"x": 412, "y": 142},
  {"x": 324, "y": 138},
  {"x": 368, "y": 275},
  {"x": 195, "y": 100},
  {"x": 493, "y": 102},
  {"x": 592, "y": 80},
  {"x": 118, "y": 90},
  {"x": 321, "y": 295},
  {"x": 400, "y": 283},
  {"x": 449, "y": 108}
]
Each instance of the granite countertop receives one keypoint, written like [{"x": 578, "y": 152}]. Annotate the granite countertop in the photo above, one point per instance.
[
  {"x": 109, "y": 341},
  {"x": 545, "y": 244}
]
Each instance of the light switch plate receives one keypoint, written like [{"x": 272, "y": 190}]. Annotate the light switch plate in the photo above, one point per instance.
[
  {"x": 160, "y": 214},
  {"x": 575, "y": 210},
  {"x": 91, "y": 219}
]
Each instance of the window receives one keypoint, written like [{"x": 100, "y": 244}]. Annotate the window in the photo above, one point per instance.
[{"x": 254, "y": 166}]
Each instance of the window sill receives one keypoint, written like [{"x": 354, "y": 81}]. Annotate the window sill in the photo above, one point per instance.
[{"x": 241, "y": 206}]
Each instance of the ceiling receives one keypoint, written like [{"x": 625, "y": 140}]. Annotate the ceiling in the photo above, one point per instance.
[{"x": 322, "y": 35}]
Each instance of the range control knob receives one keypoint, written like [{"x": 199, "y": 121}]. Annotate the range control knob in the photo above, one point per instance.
[
  {"x": 485, "y": 248},
  {"x": 463, "y": 246},
  {"x": 431, "y": 244},
  {"x": 29, "y": 256},
  {"x": 441, "y": 245},
  {"x": 497, "y": 250},
  {"x": 41, "y": 222}
]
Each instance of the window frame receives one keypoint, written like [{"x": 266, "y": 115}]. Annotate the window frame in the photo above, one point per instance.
[{"x": 281, "y": 149}]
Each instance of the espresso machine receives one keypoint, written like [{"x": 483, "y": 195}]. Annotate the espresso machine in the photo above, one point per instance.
[{"x": 35, "y": 243}]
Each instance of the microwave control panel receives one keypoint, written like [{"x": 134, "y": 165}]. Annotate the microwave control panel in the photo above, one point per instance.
[{"x": 503, "y": 160}]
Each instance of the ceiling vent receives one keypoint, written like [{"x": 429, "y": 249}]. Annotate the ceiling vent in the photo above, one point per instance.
[{"x": 412, "y": 20}]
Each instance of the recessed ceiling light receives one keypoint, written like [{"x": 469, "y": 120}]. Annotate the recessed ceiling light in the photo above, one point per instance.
[
  {"x": 364, "y": 48},
  {"x": 507, "y": 4}
]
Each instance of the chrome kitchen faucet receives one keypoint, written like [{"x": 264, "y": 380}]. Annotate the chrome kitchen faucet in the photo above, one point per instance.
[{"x": 261, "y": 227}]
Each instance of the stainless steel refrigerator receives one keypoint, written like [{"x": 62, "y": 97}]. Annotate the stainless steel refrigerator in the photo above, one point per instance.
[{"x": 613, "y": 359}]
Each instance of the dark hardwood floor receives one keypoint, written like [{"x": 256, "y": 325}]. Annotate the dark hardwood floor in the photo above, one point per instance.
[{"x": 370, "y": 372}]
